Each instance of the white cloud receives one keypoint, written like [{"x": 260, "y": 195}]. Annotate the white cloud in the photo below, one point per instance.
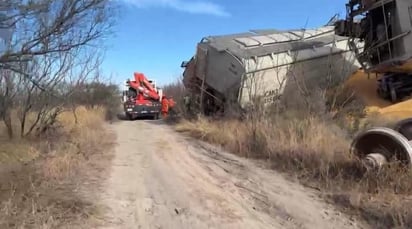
[{"x": 190, "y": 6}]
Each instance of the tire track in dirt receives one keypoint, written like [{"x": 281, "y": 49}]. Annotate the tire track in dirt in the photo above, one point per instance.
[{"x": 160, "y": 179}]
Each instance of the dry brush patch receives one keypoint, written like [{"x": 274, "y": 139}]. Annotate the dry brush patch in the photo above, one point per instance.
[
  {"x": 53, "y": 190},
  {"x": 316, "y": 152}
]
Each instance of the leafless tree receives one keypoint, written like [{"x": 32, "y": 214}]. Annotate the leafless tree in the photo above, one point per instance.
[
  {"x": 7, "y": 94},
  {"x": 52, "y": 44},
  {"x": 321, "y": 82},
  {"x": 59, "y": 75},
  {"x": 41, "y": 27},
  {"x": 264, "y": 82}
]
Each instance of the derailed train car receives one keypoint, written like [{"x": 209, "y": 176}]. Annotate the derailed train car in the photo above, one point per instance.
[
  {"x": 375, "y": 36},
  {"x": 264, "y": 64}
]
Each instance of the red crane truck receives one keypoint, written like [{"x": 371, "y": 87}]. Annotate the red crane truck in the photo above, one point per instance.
[{"x": 141, "y": 98}]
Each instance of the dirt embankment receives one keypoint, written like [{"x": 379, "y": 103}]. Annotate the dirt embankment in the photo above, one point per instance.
[{"x": 161, "y": 180}]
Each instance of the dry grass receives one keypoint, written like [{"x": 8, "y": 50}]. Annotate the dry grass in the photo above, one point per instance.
[
  {"x": 316, "y": 151},
  {"x": 17, "y": 151},
  {"x": 51, "y": 190}
]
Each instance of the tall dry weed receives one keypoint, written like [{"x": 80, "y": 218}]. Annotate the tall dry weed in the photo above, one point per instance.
[
  {"x": 47, "y": 193},
  {"x": 317, "y": 151}
]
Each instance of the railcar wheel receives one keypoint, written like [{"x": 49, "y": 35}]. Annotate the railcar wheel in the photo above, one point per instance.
[{"x": 380, "y": 145}]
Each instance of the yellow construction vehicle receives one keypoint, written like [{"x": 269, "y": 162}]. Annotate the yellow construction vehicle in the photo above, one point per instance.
[{"x": 384, "y": 26}]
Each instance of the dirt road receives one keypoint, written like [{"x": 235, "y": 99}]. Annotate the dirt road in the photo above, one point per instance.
[{"x": 159, "y": 179}]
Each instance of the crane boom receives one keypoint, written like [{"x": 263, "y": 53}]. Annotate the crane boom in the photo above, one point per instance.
[{"x": 142, "y": 85}]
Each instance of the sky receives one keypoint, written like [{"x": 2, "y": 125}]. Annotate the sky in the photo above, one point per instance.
[{"x": 155, "y": 36}]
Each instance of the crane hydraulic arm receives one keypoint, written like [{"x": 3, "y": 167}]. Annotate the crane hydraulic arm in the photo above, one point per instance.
[
  {"x": 141, "y": 97},
  {"x": 142, "y": 85}
]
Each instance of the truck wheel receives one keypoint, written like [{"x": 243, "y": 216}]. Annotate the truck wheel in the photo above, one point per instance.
[
  {"x": 394, "y": 96},
  {"x": 129, "y": 117}
]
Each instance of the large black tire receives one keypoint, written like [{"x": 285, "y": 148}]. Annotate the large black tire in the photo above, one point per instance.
[
  {"x": 129, "y": 117},
  {"x": 394, "y": 96},
  {"x": 382, "y": 94},
  {"x": 405, "y": 128}
]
